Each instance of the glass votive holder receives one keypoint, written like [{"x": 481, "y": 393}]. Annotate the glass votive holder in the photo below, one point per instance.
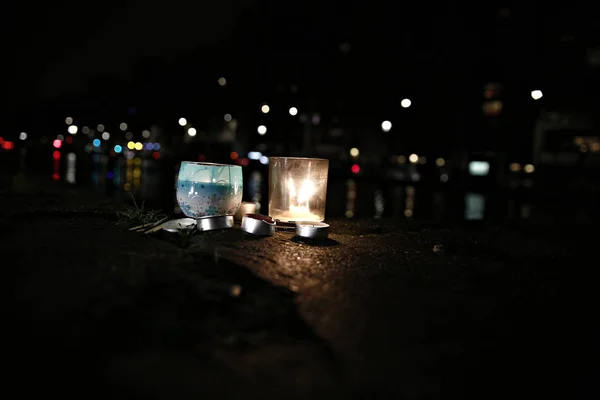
[
  {"x": 297, "y": 188},
  {"x": 209, "y": 190}
]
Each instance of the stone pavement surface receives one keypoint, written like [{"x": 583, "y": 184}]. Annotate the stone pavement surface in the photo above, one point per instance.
[{"x": 383, "y": 309}]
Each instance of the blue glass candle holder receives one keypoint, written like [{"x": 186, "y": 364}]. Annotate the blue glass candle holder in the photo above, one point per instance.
[{"x": 209, "y": 190}]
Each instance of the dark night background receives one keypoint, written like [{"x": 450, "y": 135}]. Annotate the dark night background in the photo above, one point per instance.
[{"x": 502, "y": 130}]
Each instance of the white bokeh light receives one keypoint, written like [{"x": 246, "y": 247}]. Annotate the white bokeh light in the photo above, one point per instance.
[
  {"x": 182, "y": 121},
  {"x": 145, "y": 134},
  {"x": 72, "y": 129},
  {"x": 105, "y": 135},
  {"x": 413, "y": 158},
  {"x": 262, "y": 130},
  {"x": 536, "y": 94},
  {"x": 123, "y": 126},
  {"x": 265, "y": 109},
  {"x": 191, "y": 132},
  {"x": 68, "y": 120},
  {"x": 23, "y": 135},
  {"x": 405, "y": 103},
  {"x": 293, "y": 111},
  {"x": 354, "y": 152},
  {"x": 386, "y": 126},
  {"x": 227, "y": 117}
]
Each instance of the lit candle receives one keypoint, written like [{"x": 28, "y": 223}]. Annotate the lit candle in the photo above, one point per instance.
[{"x": 297, "y": 188}]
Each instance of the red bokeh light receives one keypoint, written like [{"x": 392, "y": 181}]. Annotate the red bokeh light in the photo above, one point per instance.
[
  {"x": 57, "y": 143},
  {"x": 156, "y": 155},
  {"x": 245, "y": 162},
  {"x": 234, "y": 155},
  {"x": 56, "y": 155},
  {"x": 1, "y": 140},
  {"x": 55, "y": 176},
  {"x": 8, "y": 145},
  {"x": 355, "y": 169},
  {"x": 201, "y": 157},
  {"x": 69, "y": 139}
]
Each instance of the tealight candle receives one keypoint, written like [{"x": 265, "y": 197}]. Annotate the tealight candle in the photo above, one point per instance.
[
  {"x": 312, "y": 230},
  {"x": 246, "y": 207},
  {"x": 297, "y": 188}
]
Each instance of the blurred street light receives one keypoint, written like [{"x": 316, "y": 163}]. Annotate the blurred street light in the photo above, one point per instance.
[
  {"x": 405, "y": 103},
  {"x": 293, "y": 111},
  {"x": 222, "y": 81},
  {"x": 72, "y": 129},
  {"x": 265, "y": 109},
  {"x": 413, "y": 158},
  {"x": 354, "y": 152},
  {"x": 262, "y": 130},
  {"x": 182, "y": 121},
  {"x": 23, "y": 136},
  {"x": 536, "y": 94},
  {"x": 191, "y": 132},
  {"x": 386, "y": 126}
]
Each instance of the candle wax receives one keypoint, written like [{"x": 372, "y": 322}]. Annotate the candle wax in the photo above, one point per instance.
[{"x": 296, "y": 213}]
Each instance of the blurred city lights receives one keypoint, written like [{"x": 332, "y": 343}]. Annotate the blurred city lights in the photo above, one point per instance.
[
  {"x": 23, "y": 135},
  {"x": 145, "y": 134},
  {"x": 85, "y": 130},
  {"x": 100, "y": 128},
  {"x": 149, "y": 146},
  {"x": 130, "y": 145},
  {"x": 254, "y": 155},
  {"x": 440, "y": 162},
  {"x": 7, "y": 145},
  {"x": 479, "y": 168},
  {"x": 191, "y": 132},
  {"x": 72, "y": 129},
  {"x": 264, "y": 160},
  {"x": 405, "y": 103},
  {"x": 227, "y": 117},
  {"x": 245, "y": 162},
  {"x": 182, "y": 121},
  {"x": 529, "y": 168},
  {"x": 354, "y": 152},
  {"x": 123, "y": 126},
  {"x": 56, "y": 155},
  {"x": 265, "y": 109},
  {"x": 515, "y": 167},
  {"x": 293, "y": 111},
  {"x": 386, "y": 126},
  {"x": 118, "y": 148},
  {"x": 536, "y": 94},
  {"x": 222, "y": 81},
  {"x": 262, "y": 130},
  {"x": 105, "y": 136},
  {"x": 57, "y": 143},
  {"x": 234, "y": 155},
  {"x": 156, "y": 146},
  {"x": 413, "y": 158},
  {"x": 96, "y": 142},
  {"x": 139, "y": 146},
  {"x": 355, "y": 169},
  {"x": 68, "y": 120}
]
